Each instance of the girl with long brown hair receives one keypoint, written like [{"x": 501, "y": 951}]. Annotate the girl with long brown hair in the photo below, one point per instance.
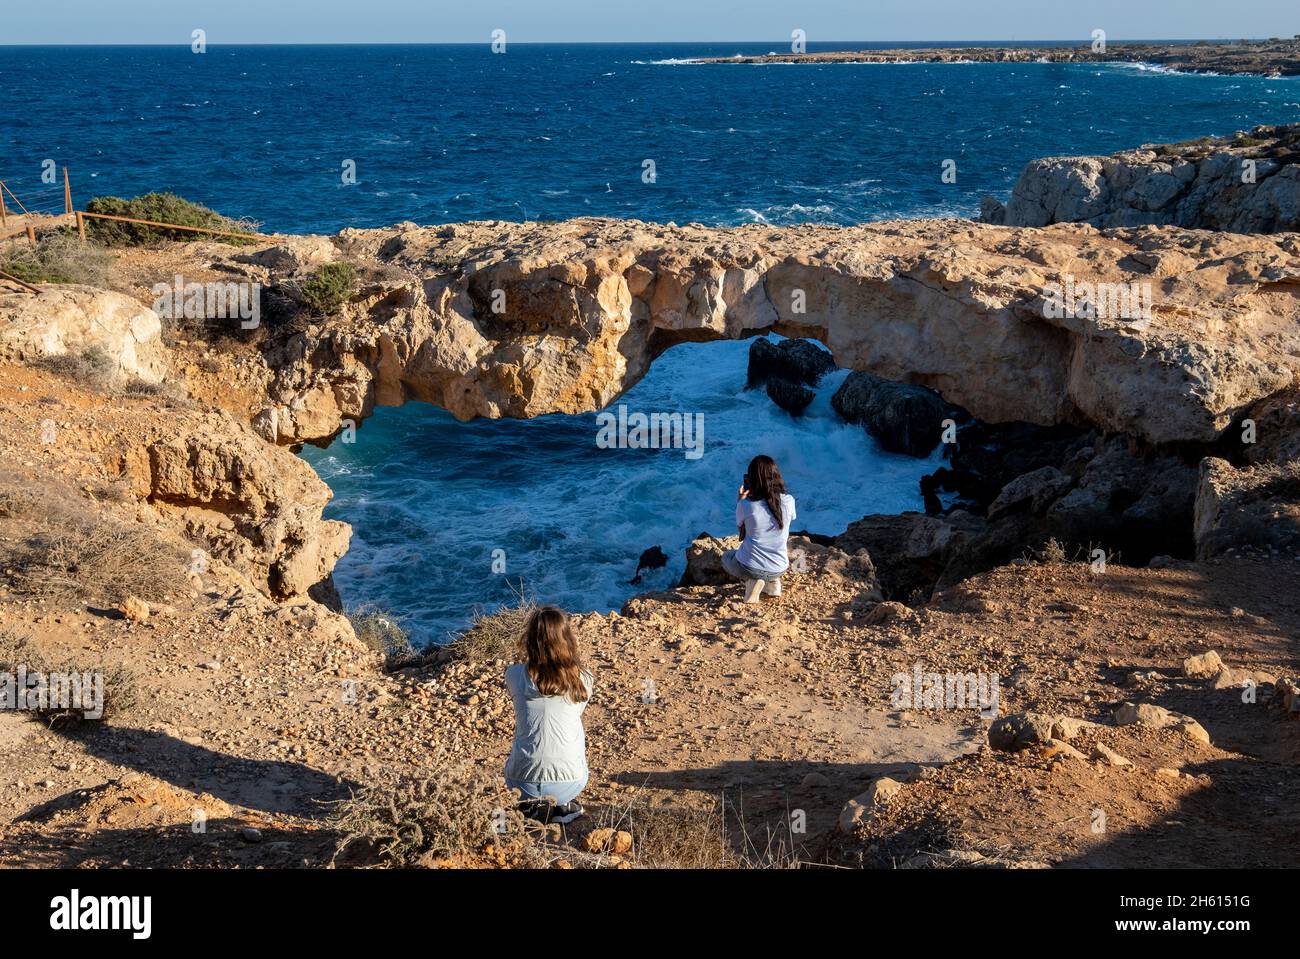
[
  {"x": 764, "y": 512},
  {"x": 550, "y": 689}
]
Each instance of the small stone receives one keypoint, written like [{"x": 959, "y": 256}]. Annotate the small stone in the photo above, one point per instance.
[
  {"x": 136, "y": 610},
  {"x": 1203, "y": 666},
  {"x": 1145, "y": 714},
  {"x": 814, "y": 781},
  {"x": 857, "y": 809},
  {"x": 249, "y": 834},
  {"x": 1195, "y": 732},
  {"x": 1066, "y": 728},
  {"x": 1020, "y": 731},
  {"x": 1107, "y": 755},
  {"x": 606, "y": 840},
  {"x": 1057, "y": 749}
]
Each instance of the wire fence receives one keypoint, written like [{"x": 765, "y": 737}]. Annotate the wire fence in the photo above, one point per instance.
[{"x": 31, "y": 202}]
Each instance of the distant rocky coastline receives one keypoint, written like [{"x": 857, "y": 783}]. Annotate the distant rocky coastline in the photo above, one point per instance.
[{"x": 1274, "y": 57}]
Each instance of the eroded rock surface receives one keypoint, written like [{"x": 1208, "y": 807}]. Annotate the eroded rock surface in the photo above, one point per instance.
[
  {"x": 1249, "y": 183},
  {"x": 73, "y": 320},
  {"x": 506, "y": 319}
]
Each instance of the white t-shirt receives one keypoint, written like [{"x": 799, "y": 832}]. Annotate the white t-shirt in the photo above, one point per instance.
[
  {"x": 549, "y": 745},
  {"x": 764, "y": 547}
]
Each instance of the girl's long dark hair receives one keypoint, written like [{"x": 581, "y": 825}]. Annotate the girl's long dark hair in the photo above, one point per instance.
[
  {"x": 764, "y": 483},
  {"x": 550, "y": 653}
]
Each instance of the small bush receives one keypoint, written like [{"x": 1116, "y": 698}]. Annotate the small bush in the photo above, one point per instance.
[
  {"x": 98, "y": 562},
  {"x": 161, "y": 208},
  {"x": 329, "y": 287},
  {"x": 14, "y": 503},
  {"x": 58, "y": 258},
  {"x": 457, "y": 811},
  {"x": 1051, "y": 552},
  {"x": 92, "y": 368},
  {"x": 121, "y": 688},
  {"x": 381, "y": 633},
  {"x": 495, "y": 635}
]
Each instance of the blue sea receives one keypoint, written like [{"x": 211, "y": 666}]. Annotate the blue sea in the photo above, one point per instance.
[{"x": 449, "y": 133}]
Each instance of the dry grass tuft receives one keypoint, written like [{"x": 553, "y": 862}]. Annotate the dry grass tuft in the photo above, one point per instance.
[
  {"x": 92, "y": 368},
  {"x": 100, "y": 561},
  {"x": 380, "y": 631},
  {"x": 58, "y": 258},
  {"x": 495, "y": 635}
]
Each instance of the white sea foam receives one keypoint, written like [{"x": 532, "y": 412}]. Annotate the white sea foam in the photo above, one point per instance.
[{"x": 573, "y": 519}]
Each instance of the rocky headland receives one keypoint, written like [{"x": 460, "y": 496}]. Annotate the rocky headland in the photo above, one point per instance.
[
  {"x": 1275, "y": 57},
  {"x": 154, "y": 517},
  {"x": 1248, "y": 183}
]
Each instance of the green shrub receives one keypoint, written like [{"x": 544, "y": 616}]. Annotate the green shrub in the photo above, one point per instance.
[
  {"x": 329, "y": 287},
  {"x": 381, "y": 633},
  {"x": 162, "y": 208},
  {"x": 60, "y": 257}
]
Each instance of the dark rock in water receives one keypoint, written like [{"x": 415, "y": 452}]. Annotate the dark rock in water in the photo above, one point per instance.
[
  {"x": 653, "y": 558},
  {"x": 988, "y": 456},
  {"x": 798, "y": 361},
  {"x": 902, "y": 417},
  {"x": 791, "y": 397}
]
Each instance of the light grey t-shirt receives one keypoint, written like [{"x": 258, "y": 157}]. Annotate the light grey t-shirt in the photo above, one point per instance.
[
  {"x": 550, "y": 745},
  {"x": 764, "y": 547}
]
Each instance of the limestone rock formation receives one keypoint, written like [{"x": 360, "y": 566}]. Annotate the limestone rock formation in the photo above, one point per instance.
[
  {"x": 1251, "y": 510},
  {"x": 807, "y": 557},
  {"x": 72, "y": 320},
  {"x": 1248, "y": 183},
  {"x": 256, "y": 506},
  {"x": 508, "y": 319}
]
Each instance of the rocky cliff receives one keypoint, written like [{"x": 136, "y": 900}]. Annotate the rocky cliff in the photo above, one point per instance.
[
  {"x": 1247, "y": 183},
  {"x": 508, "y": 319}
]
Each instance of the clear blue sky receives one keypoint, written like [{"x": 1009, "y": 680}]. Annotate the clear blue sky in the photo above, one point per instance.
[{"x": 470, "y": 21}]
